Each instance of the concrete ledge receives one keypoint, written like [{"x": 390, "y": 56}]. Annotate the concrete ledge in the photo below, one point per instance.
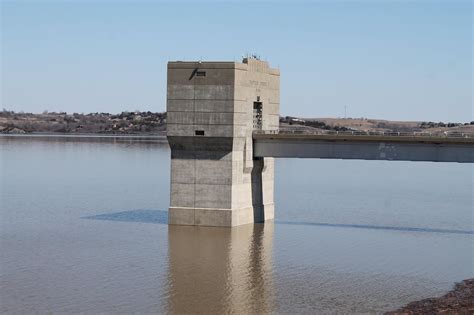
[
  {"x": 216, "y": 217},
  {"x": 202, "y": 65}
]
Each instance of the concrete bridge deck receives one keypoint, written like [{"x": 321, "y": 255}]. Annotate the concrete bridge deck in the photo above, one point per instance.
[{"x": 417, "y": 146}]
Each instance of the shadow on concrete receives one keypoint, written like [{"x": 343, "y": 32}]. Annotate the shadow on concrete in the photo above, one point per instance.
[
  {"x": 141, "y": 215},
  {"x": 379, "y": 227}
]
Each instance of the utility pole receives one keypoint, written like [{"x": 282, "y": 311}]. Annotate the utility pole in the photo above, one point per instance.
[{"x": 345, "y": 111}]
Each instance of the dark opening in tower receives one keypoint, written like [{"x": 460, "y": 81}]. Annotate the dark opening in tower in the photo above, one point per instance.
[{"x": 257, "y": 115}]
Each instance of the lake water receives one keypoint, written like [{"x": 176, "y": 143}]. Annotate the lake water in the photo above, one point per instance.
[{"x": 83, "y": 229}]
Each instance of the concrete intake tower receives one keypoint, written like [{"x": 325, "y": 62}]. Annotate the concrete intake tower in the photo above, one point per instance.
[{"x": 213, "y": 108}]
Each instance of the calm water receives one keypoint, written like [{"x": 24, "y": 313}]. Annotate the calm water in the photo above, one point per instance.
[{"x": 83, "y": 229}]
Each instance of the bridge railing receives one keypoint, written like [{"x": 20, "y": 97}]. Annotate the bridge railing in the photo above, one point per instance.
[{"x": 445, "y": 134}]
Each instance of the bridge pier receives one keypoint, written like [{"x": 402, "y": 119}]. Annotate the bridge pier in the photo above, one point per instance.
[{"x": 213, "y": 108}]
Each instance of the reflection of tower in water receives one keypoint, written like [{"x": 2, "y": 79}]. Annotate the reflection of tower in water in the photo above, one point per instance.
[{"x": 220, "y": 270}]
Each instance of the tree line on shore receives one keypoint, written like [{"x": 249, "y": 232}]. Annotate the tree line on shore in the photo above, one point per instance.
[
  {"x": 147, "y": 122},
  {"x": 62, "y": 122}
]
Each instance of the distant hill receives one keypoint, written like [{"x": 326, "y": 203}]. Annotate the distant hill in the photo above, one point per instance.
[
  {"x": 97, "y": 123},
  {"x": 155, "y": 123},
  {"x": 372, "y": 125}
]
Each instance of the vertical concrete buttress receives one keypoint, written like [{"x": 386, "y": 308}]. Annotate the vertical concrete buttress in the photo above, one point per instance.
[{"x": 213, "y": 108}]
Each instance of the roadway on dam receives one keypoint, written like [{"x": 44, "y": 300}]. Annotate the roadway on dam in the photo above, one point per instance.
[{"x": 396, "y": 146}]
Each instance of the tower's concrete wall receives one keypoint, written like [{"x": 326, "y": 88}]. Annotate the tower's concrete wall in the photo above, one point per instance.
[{"x": 214, "y": 179}]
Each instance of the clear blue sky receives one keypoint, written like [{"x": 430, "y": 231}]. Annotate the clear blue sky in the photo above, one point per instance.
[{"x": 407, "y": 60}]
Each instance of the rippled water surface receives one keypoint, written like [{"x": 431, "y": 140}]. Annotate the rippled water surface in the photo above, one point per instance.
[{"x": 84, "y": 229}]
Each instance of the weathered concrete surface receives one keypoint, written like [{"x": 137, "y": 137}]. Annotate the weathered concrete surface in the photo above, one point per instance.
[
  {"x": 394, "y": 148},
  {"x": 215, "y": 180}
]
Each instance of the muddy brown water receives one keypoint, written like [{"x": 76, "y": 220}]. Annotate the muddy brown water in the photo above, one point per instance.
[{"x": 83, "y": 229}]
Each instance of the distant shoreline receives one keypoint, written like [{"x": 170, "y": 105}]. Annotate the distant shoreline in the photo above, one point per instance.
[
  {"x": 145, "y": 124},
  {"x": 86, "y": 137},
  {"x": 82, "y": 135}
]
